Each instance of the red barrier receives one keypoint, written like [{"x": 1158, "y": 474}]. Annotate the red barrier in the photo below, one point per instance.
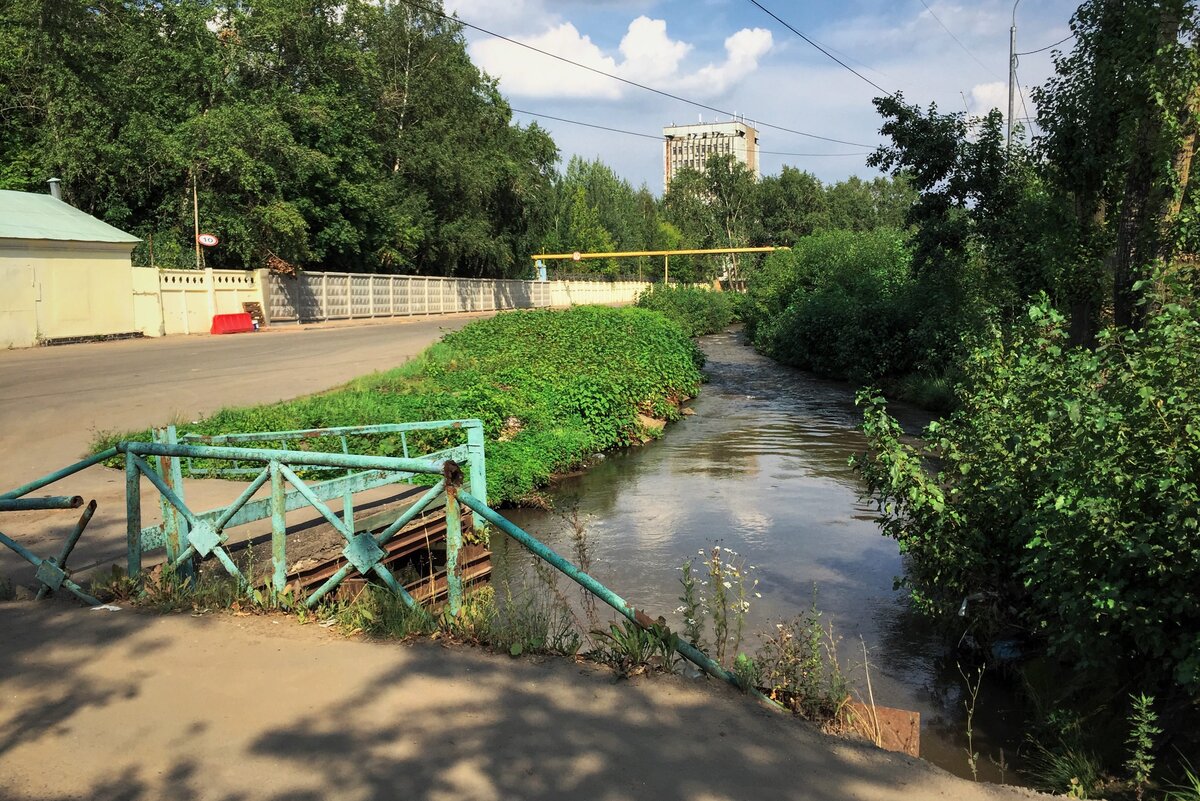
[{"x": 232, "y": 323}]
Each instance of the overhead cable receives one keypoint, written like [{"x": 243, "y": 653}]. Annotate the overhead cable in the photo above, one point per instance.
[
  {"x": 697, "y": 104},
  {"x": 1047, "y": 47},
  {"x": 956, "y": 40},
  {"x": 660, "y": 138},
  {"x": 773, "y": 16}
]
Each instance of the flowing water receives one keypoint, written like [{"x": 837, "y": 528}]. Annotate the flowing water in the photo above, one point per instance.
[{"x": 761, "y": 468}]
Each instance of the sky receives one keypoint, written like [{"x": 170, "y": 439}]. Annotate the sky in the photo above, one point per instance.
[{"x": 731, "y": 55}]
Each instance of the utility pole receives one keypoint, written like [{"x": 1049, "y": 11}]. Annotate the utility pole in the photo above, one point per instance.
[
  {"x": 196, "y": 216},
  {"x": 1012, "y": 70}
]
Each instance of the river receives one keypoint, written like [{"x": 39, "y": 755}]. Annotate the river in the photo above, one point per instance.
[{"x": 761, "y": 468}]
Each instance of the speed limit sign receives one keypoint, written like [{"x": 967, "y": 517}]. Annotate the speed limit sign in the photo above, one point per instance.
[{"x": 208, "y": 240}]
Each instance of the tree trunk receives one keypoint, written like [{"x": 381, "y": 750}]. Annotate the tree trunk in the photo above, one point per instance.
[{"x": 1149, "y": 199}]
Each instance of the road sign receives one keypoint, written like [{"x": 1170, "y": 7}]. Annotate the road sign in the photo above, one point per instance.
[{"x": 208, "y": 240}]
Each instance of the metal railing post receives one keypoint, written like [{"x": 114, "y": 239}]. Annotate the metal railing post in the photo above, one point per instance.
[
  {"x": 278, "y": 529},
  {"x": 174, "y": 524},
  {"x": 476, "y": 468},
  {"x": 453, "y": 477},
  {"x": 133, "y": 518}
]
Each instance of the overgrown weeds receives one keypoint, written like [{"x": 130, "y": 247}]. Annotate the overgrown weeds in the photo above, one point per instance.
[
  {"x": 551, "y": 387},
  {"x": 799, "y": 667}
]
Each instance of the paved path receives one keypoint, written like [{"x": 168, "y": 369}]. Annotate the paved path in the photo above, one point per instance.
[
  {"x": 53, "y": 401},
  {"x": 132, "y": 706}
]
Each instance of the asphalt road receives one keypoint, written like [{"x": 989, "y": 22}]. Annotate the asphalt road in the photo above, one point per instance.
[{"x": 54, "y": 400}]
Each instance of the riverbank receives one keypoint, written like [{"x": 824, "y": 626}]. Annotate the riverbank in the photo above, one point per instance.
[
  {"x": 552, "y": 388},
  {"x": 130, "y": 705}
]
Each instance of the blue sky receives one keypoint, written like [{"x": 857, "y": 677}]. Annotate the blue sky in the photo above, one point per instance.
[{"x": 731, "y": 55}]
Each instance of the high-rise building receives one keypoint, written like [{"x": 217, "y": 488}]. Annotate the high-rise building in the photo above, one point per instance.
[{"x": 691, "y": 145}]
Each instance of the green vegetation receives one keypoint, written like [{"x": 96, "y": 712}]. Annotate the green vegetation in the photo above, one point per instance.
[
  {"x": 847, "y": 305},
  {"x": 1066, "y": 500},
  {"x": 339, "y": 135},
  {"x": 551, "y": 387},
  {"x": 696, "y": 310}
]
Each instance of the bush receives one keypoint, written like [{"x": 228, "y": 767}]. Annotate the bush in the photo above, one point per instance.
[
  {"x": 845, "y": 305},
  {"x": 558, "y": 385},
  {"x": 694, "y": 309},
  {"x": 1067, "y": 499}
]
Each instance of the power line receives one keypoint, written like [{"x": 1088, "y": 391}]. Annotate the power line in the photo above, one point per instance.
[
  {"x": 956, "y": 40},
  {"x": 565, "y": 60},
  {"x": 1021, "y": 95},
  {"x": 1047, "y": 47},
  {"x": 660, "y": 138},
  {"x": 586, "y": 124},
  {"x": 773, "y": 16}
]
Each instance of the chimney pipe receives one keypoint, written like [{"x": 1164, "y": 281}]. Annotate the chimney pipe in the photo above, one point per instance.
[{"x": 55, "y": 188}]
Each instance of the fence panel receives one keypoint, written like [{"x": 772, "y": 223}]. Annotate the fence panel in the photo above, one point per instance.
[{"x": 312, "y": 297}]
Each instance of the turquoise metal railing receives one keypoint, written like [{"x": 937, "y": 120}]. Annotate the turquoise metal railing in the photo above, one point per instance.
[
  {"x": 203, "y": 534},
  {"x": 186, "y": 534},
  {"x": 51, "y": 572},
  {"x": 471, "y": 451}
]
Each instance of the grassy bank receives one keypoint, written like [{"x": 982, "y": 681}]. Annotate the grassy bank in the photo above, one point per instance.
[{"x": 551, "y": 387}]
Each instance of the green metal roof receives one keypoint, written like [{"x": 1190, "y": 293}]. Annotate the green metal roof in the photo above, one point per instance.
[{"x": 26, "y": 215}]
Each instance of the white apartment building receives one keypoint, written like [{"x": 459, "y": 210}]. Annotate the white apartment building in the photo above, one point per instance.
[{"x": 691, "y": 145}]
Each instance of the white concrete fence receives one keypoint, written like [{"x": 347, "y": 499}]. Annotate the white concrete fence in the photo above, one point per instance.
[
  {"x": 188, "y": 299},
  {"x": 314, "y": 297}
]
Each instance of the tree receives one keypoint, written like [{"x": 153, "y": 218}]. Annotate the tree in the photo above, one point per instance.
[
  {"x": 713, "y": 208},
  {"x": 790, "y": 205},
  {"x": 1119, "y": 120},
  {"x": 344, "y": 135},
  {"x": 858, "y": 205}
]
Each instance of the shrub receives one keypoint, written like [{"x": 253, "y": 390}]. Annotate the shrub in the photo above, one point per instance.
[
  {"x": 1067, "y": 499},
  {"x": 694, "y": 309},
  {"x": 845, "y": 304}
]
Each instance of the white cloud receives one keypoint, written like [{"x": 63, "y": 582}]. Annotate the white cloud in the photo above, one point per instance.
[
  {"x": 648, "y": 55},
  {"x": 743, "y": 50},
  {"x": 527, "y": 73},
  {"x": 987, "y": 96}
]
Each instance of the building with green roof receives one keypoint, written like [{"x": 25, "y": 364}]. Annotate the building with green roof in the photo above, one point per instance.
[{"x": 63, "y": 273}]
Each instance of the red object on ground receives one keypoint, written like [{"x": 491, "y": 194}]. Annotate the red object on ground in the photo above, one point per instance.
[{"x": 232, "y": 323}]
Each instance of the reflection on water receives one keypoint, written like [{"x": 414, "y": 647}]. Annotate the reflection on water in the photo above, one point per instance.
[{"x": 762, "y": 468}]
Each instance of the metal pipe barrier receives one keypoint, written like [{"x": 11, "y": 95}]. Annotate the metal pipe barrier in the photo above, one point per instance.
[
  {"x": 187, "y": 535},
  {"x": 202, "y": 535},
  {"x": 52, "y": 571}
]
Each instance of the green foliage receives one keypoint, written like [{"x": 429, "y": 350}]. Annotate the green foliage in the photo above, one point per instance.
[
  {"x": 1142, "y": 731},
  {"x": 846, "y": 305},
  {"x": 797, "y": 665},
  {"x": 630, "y": 649},
  {"x": 1066, "y": 497},
  {"x": 551, "y": 387},
  {"x": 381, "y": 613},
  {"x": 1066, "y": 769},
  {"x": 1189, "y": 790},
  {"x": 719, "y": 597},
  {"x": 746, "y": 672},
  {"x": 335, "y": 135},
  {"x": 696, "y": 310}
]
